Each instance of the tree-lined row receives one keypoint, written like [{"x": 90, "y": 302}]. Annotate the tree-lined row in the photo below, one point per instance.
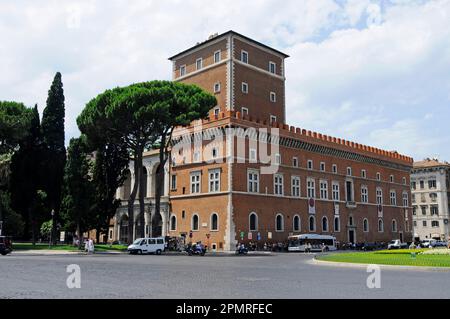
[{"x": 117, "y": 126}]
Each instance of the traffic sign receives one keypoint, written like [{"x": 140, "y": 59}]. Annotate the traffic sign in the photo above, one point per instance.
[
  {"x": 242, "y": 235},
  {"x": 250, "y": 236},
  {"x": 258, "y": 236}
]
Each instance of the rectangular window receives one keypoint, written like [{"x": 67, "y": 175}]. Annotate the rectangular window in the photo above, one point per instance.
[
  {"x": 393, "y": 198},
  {"x": 334, "y": 169},
  {"x": 253, "y": 155},
  {"x": 311, "y": 188},
  {"x": 244, "y": 111},
  {"x": 217, "y": 56},
  {"x": 295, "y": 181},
  {"x": 432, "y": 184},
  {"x": 422, "y": 184},
  {"x": 278, "y": 184},
  {"x": 199, "y": 64},
  {"x": 272, "y": 67},
  {"x": 182, "y": 70},
  {"x": 273, "y": 97},
  {"x": 214, "y": 180},
  {"x": 195, "y": 182},
  {"x": 379, "y": 194},
  {"x": 413, "y": 185},
  {"x": 378, "y": 177},
  {"x": 322, "y": 166},
  {"x": 335, "y": 191},
  {"x": 323, "y": 189},
  {"x": 424, "y": 210},
  {"x": 424, "y": 223},
  {"x": 391, "y": 178},
  {"x": 295, "y": 162},
  {"x": 349, "y": 171},
  {"x": 310, "y": 164},
  {"x": 278, "y": 159},
  {"x": 244, "y": 88},
  {"x": 173, "y": 183},
  {"x": 405, "y": 200},
  {"x": 216, "y": 87},
  {"x": 434, "y": 210},
  {"x": 364, "y": 194},
  {"x": 363, "y": 173},
  {"x": 196, "y": 157},
  {"x": 273, "y": 119},
  {"x": 216, "y": 112},
  {"x": 253, "y": 181},
  {"x": 349, "y": 190},
  {"x": 244, "y": 56}
]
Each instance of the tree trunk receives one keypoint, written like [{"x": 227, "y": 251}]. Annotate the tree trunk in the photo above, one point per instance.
[
  {"x": 142, "y": 204},
  {"x": 159, "y": 184},
  {"x": 97, "y": 235},
  {"x": 79, "y": 234},
  {"x": 33, "y": 222},
  {"x": 137, "y": 160}
]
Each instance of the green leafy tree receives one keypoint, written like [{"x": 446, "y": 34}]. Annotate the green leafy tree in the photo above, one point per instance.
[
  {"x": 55, "y": 153},
  {"x": 25, "y": 182},
  {"x": 178, "y": 104},
  {"x": 110, "y": 166},
  {"x": 136, "y": 117},
  {"x": 15, "y": 120},
  {"x": 78, "y": 194},
  {"x": 46, "y": 229}
]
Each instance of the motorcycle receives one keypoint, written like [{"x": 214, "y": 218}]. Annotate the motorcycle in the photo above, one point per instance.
[
  {"x": 196, "y": 250},
  {"x": 242, "y": 250}
]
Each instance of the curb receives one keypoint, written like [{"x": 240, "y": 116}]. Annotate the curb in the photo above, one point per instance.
[{"x": 317, "y": 262}]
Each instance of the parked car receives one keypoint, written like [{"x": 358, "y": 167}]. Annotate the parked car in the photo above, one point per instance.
[
  {"x": 5, "y": 245},
  {"x": 147, "y": 246},
  {"x": 397, "y": 244},
  {"x": 441, "y": 243},
  {"x": 371, "y": 246},
  {"x": 428, "y": 243}
]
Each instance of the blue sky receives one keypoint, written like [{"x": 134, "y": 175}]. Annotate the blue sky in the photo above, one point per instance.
[{"x": 374, "y": 72}]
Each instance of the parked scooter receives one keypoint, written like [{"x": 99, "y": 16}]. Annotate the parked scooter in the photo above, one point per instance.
[
  {"x": 241, "y": 250},
  {"x": 196, "y": 249}
]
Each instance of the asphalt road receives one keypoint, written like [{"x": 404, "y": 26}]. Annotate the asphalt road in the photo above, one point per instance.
[{"x": 241, "y": 277}]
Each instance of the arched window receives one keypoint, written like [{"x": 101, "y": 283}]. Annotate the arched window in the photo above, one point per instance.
[
  {"x": 173, "y": 223},
  {"x": 253, "y": 222},
  {"x": 195, "y": 222},
  {"x": 279, "y": 222},
  {"x": 394, "y": 226},
  {"x": 365, "y": 225},
  {"x": 214, "y": 222},
  {"x": 296, "y": 224},
  {"x": 337, "y": 224},
  {"x": 324, "y": 224},
  {"x": 312, "y": 224},
  {"x": 380, "y": 226}
]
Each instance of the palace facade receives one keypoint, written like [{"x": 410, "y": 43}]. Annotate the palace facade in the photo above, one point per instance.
[{"x": 222, "y": 193}]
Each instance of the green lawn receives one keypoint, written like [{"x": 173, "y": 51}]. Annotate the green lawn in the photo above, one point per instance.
[
  {"x": 390, "y": 257},
  {"x": 41, "y": 246}
]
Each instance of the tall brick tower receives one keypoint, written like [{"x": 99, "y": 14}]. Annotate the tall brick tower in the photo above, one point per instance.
[
  {"x": 323, "y": 185},
  {"x": 246, "y": 76}
]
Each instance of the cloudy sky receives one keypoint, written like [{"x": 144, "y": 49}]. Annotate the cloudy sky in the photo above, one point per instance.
[{"x": 375, "y": 72}]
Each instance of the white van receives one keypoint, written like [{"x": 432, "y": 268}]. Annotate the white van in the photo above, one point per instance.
[{"x": 147, "y": 246}]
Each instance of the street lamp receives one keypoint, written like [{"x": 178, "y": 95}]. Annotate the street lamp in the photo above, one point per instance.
[{"x": 53, "y": 227}]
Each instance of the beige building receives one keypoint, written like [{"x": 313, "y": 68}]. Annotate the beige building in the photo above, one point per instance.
[
  {"x": 154, "y": 225},
  {"x": 430, "y": 199}
]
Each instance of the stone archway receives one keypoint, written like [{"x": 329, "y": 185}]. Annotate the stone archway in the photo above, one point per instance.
[{"x": 123, "y": 229}]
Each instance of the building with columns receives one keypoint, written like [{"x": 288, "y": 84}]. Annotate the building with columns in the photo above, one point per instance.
[
  {"x": 430, "y": 189},
  {"x": 154, "y": 225},
  {"x": 221, "y": 194}
]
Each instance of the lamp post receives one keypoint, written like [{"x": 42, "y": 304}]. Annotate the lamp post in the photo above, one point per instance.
[{"x": 53, "y": 227}]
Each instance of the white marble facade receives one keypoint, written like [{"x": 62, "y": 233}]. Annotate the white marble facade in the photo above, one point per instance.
[{"x": 154, "y": 226}]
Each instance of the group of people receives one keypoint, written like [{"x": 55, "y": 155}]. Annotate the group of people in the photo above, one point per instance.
[{"x": 89, "y": 246}]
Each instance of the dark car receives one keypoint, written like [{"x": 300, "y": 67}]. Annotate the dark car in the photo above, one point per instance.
[
  {"x": 370, "y": 246},
  {"x": 5, "y": 245}
]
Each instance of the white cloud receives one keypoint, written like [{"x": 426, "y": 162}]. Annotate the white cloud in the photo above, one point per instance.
[{"x": 343, "y": 78}]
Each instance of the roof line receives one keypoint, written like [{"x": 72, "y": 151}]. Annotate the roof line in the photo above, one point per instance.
[{"x": 223, "y": 35}]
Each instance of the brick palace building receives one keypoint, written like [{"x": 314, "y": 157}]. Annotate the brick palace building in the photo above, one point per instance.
[{"x": 323, "y": 185}]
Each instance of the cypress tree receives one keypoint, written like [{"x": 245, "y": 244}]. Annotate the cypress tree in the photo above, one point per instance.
[{"x": 55, "y": 153}]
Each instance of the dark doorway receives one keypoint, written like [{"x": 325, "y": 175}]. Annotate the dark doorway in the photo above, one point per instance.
[
  {"x": 351, "y": 236},
  {"x": 156, "y": 225}
]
